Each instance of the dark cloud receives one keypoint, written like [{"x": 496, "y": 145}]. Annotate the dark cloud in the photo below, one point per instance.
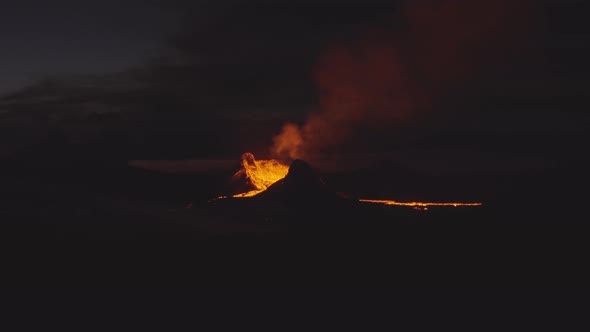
[
  {"x": 43, "y": 39},
  {"x": 386, "y": 73},
  {"x": 362, "y": 74}
]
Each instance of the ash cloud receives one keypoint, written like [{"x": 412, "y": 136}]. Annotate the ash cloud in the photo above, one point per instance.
[
  {"x": 387, "y": 74},
  {"x": 340, "y": 71}
]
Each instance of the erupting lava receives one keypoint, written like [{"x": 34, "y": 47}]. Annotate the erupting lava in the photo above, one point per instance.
[
  {"x": 260, "y": 173},
  {"x": 263, "y": 173}
]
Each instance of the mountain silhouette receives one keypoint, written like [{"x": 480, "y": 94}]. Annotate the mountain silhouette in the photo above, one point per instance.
[{"x": 302, "y": 186}]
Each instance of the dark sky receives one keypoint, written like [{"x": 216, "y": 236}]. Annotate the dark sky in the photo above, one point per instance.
[
  {"x": 503, "y": 77},
  {"x": 62, "y": 37}
]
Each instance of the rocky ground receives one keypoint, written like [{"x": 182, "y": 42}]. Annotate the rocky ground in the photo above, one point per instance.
[{"x": 93, "y": 226}]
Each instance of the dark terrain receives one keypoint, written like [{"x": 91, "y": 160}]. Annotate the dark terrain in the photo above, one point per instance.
[{"x": 82, "y": 223}]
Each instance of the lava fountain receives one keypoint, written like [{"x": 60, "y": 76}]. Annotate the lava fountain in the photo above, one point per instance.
[
  {"x": 260, "y": 173},
  {"x": 263, "y": 173}
]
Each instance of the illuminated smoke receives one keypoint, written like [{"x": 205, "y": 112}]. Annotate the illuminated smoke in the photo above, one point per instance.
[{"x": 387, "y": 75}]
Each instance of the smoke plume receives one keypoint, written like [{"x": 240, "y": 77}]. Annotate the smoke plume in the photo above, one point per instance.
[{"x": 387, "y": 75}]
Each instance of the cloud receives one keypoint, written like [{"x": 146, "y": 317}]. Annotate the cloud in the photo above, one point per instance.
[{"x": 384, "y": 74}]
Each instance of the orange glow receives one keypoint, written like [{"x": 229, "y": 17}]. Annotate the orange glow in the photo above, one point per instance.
[
  {"x": 261, "y": 173},
  {"x": 424, "y": 205}
]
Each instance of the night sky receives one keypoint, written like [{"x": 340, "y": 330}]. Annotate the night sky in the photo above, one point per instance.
[
  {"x": 418, "y": 79},
  {"x": 41, "y": 39}
]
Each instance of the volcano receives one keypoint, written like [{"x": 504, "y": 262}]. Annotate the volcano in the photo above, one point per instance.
[
  {"x": 299, "y": 197},
  {"x": 302, "y": 186}
]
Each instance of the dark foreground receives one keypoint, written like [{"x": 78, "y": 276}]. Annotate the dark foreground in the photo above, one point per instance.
[{"x": 109, "y": 226}]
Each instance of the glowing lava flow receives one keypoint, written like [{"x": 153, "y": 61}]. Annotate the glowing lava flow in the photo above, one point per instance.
[
  {"x": 263, "y": 173},
  {"x": 417, "y": 204}
]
